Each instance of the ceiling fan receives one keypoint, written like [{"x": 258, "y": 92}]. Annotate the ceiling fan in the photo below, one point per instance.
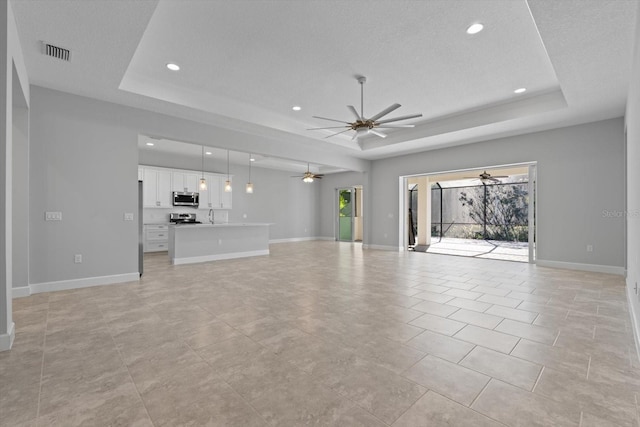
[
  {"x": 363, "y": 125},
  {"x": 308, "y": 176},
  {"x": 486, "y": 177}
]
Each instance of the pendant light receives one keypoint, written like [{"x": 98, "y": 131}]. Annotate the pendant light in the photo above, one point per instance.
[
  {"x": 249, "y": 186},
  {"x": 227, "y": 183},
  {"x": 203, "y": 182}
]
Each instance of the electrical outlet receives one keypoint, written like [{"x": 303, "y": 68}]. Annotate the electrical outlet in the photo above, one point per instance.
[
  {"x": 244, "y": 216},
  {"x": 77, "y": 258},
  {"x": 219, "y": 241},
  {"x": 128, "y": 216},
  {"x": 589, "y": 248},
  {"x": 53, "y": 216}
]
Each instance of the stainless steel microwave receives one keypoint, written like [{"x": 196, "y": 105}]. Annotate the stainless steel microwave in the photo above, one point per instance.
[{"x": 181, "y": 198}]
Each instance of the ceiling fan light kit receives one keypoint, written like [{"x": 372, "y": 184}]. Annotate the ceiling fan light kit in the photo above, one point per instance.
[
  {"x": 308, "y": 176},
  {"x": 364, "y": 126}
]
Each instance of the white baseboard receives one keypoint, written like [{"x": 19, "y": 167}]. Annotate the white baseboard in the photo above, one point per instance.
[
  {"x": 20, "y": 292},
  {"x": 85, "y": 282},
  {"x": 381, "y": 247},
  {"x": 206, "y": 258},
  {"x": 327, "y": 238},
  {"x": 609, "y": 269},
  {"x": 293, "y": 239},
  {"x": 634, "y": 319},
  {"x": 6, "y": 340}
]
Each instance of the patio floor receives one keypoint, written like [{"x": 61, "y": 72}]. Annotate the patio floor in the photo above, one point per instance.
[{"x": 493, "y": 249}]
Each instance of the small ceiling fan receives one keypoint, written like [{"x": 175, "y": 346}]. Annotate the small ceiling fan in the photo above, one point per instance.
[
  {"x": 363, "y": 125},
  {"x": 308, "y": 176},
  {"x": 486, "y": 177}
]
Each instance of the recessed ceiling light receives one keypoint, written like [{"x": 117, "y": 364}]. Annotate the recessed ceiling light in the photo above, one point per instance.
[
  {"x": 252, "y": 159},
  {"x": 173, "y": 67},
  {"x": 296, "y": 108},
  {"x": 475, "y": 28},
  {"x": 208, "y": 153},
  {"x": 521, "y": 90},
  {"x": 150, "y": 144}
]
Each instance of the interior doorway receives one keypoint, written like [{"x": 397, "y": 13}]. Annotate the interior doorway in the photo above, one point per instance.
[
  {"x": 349, "y": 227},
  {"x": 482, "y": 213}
]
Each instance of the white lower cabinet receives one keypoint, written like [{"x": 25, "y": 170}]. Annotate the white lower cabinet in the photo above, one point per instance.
[{"x": 156, "y": 237}]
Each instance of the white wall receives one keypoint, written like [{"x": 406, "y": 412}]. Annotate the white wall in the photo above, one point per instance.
[
  {"x": 288, "y": 203},
  {"x": 580, "y": 175},
  {"x": 633, "y": 185}
]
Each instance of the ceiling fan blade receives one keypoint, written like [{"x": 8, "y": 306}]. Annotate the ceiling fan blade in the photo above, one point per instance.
[
  {"x": 410, "y": 116},
  {"x": 331, "y": 120},
  {"x": 395, "y": 126},
  {"x": 385, "y": 112},
  {"x": 375, "y": 132},
  {"x": 334, "y": 134},
  {"x": 332, "y": 127},
  {"x": 355, "y": 113}
]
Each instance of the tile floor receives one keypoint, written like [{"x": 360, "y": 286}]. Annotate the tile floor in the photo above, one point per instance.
[{"x": 323, "y": 333}]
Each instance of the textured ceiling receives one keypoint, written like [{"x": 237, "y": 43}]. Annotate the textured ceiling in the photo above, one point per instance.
[{"x": 246, "y": 63}]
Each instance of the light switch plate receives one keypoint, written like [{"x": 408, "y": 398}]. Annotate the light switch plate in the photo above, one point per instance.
[
  {"x": 53, "y": 216},
  {"x": 128, "y": 216}
]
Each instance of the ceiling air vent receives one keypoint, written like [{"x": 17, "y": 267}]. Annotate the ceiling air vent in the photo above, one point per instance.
[{"x": 56, "y": 51}]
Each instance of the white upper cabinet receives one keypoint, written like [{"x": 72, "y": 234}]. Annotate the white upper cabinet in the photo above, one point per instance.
[
  {"x": 156, "y": 188},
  {"x": 225, "y": 198},
  {"x": 210, "y": 198},
  {"x": 160, "y": 183},
  {"x": 185, "y": 181}
]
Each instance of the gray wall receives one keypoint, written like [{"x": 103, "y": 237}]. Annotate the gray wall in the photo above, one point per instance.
[
  {"x": 580, "y": 175},
  {"x": 288, "y": 203},
  {"x": 84, "y": 163},
  {"x": 20, "y": 197},
  {"x": 633, "y": 184}
]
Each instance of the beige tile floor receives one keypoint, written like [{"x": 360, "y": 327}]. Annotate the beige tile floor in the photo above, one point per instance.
[{"x": 323, "y": 333}]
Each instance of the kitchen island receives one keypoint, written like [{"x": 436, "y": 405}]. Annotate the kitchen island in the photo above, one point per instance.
[{"x": 191, "y": 243}]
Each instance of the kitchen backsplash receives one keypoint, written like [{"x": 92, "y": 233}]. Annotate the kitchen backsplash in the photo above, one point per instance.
[{"x": 161, "y": 216}]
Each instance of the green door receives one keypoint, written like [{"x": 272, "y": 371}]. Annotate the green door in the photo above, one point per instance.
[{"x": 345, "y": 214}]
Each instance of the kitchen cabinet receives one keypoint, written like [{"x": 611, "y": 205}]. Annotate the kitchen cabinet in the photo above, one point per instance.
[
  {"x": 156, "y": 237},
  {"x": 156, "y": 190},
  {"x": 160, "y": 183},
  {"x": 185, "y": 181},
  {"x": 210, "y": 198},
  {"x": 225, "y": 198}
]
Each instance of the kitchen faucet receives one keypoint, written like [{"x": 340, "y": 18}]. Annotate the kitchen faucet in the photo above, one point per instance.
[{"x": 211, "y": 216}]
